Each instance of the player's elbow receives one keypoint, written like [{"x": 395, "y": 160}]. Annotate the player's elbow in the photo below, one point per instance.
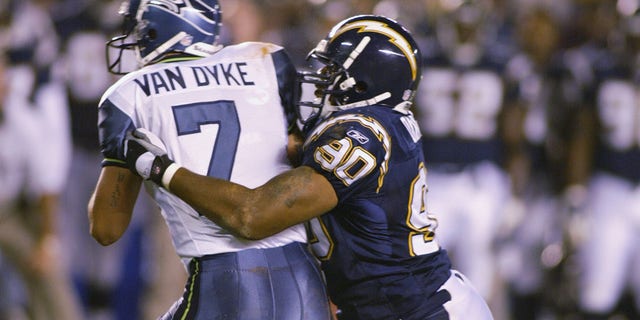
[
  {"x": 249, "y": 235},
  {"x": 101, "y": 230},
  {"x": 250, "y": 231},
  {"x": 103, "y": 236},
  {"x": 250, "y": 227},
  {"x": 252, "y": 234}
]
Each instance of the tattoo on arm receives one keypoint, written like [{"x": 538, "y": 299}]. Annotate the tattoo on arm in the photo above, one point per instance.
[{"x": 116, "y": 194}]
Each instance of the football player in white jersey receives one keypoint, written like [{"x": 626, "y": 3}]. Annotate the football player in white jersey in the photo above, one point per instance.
[
  {"x": 361, "y": 185},
  {"x": 216, "y": 108},
  {"x": 28, "y": 205}
]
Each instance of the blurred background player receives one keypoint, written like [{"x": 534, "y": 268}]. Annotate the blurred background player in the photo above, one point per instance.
[
  {"x": 605, "y": 182},
  {"x": 531, "y": 243},
  {"x": 35, "y": 94},
  {"x": 461, "y": 106},
  {"x": 29, "y": 211}
]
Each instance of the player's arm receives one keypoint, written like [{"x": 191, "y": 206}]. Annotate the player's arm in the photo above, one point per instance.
[
  {"x": 47, "y": 205},
  {"x": 45, "y": 184},
  {"x": 288, "y": 199},
  {"x": 111, "y": 204},
  {"x": 45, "y": 253}
]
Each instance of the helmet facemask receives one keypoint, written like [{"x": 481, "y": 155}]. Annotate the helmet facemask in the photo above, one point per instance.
[
  {"x": 316, "y": 87},
  {"x": 125, "y": 42},
  {"x": 334, "y": 88}
]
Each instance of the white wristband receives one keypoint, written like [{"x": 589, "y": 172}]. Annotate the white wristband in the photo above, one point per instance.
[{"x": 168, "y": 175}]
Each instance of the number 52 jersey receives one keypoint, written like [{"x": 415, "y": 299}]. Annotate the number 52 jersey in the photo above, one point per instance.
[{"x": 224, "y": 116}]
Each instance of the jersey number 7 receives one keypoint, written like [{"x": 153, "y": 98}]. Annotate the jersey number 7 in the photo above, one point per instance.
[{"x": 189, "y": 118}]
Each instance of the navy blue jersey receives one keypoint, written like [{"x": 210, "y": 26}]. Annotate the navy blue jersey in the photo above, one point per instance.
[
  {"x": 615, "y": 99},
  {"x": 459, "y": 107},
  {"x": 547, "y": 97},
  {"x": 377, "y": 246}
]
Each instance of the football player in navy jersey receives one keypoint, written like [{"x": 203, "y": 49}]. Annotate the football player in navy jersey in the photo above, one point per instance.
[
  {"x": 606, "y": 177},
  {"x": 215, "y": 107},
  {"x": 362, "y": 164},
  {"x": 532, "y": 251},
  {"x": 461, "y": 107}
]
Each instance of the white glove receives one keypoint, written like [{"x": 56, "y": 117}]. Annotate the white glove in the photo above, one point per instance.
[{"x": 147, "y": 156}]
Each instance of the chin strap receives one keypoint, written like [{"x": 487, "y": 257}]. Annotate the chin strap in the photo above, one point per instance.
[
  {"x": 402, "y": 107},
  {"x": 375, "y": 100}
]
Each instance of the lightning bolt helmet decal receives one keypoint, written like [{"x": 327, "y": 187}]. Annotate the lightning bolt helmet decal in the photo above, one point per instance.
[{"x": 395, "y": 37}]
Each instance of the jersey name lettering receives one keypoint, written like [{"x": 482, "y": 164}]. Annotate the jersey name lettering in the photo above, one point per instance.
[
  {"x": 171, "y": 79},
  {"x": 230, "y": 74},
  {"x": 161, "y": 81}
]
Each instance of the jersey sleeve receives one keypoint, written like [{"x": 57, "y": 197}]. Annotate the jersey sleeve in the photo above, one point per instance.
[
  {"x": 287, "y": 85},
  {"x": 113, "y": 125},
  {"x": 351, "y": 152}
]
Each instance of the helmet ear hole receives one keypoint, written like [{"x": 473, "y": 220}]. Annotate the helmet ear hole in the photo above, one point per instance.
[
  {"x": 361, "y": 87},
  {"x": 153, "y": 34}
]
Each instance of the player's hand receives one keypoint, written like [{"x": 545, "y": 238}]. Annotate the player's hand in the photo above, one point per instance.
[{"x": 146, "y": 155}]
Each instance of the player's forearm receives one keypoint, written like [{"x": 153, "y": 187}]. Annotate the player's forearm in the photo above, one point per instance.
[
  {"x": 47, "y": 207},
  {"x": 230, "y": 205},
  {"x": 111, "y": 205},
  {"x": 286, "y": 200},
  {"x": 47, "y": 233}
]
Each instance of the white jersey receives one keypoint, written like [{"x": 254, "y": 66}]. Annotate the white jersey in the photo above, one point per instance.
[
  {"x": 23, "y": 163},
  {"x": 224, "y": 116},
  {"x": 47, "y": 103}
]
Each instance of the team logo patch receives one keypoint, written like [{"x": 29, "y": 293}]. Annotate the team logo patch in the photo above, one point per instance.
[{"x": 355, "y": 134}]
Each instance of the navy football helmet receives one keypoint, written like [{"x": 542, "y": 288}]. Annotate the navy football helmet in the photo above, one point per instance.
[
  {"x": 153, "y": 28},
  {"x": 364, "y": 60}
]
